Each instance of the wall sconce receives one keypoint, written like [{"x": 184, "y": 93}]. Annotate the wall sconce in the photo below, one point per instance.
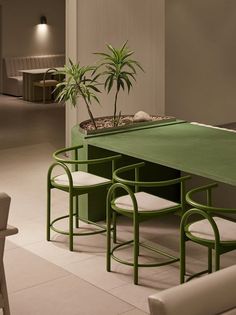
[{"x": 43, "y": 19}]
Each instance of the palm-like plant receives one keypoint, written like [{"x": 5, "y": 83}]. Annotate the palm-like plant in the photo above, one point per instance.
[
  {"x": 120, "y": 70},
  {"x": 78, "y": 85}
]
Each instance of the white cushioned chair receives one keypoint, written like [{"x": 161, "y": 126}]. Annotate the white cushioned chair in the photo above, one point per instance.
[{"x": 212, "y": 294}]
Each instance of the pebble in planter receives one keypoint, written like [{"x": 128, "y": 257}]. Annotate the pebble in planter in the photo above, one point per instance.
[{"x": 141, "y": 116}]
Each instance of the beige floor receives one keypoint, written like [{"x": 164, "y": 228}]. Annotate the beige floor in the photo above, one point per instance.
[{"x": 45, "y": 277}]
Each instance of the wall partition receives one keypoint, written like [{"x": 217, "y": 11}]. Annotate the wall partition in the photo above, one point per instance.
[{"x": 110, "y": 21}]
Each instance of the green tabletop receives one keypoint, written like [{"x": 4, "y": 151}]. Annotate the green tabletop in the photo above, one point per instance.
[{"x": 195, "y": 149}]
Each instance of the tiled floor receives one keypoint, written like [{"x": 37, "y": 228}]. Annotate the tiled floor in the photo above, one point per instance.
[{"x": 45, "y": 277}]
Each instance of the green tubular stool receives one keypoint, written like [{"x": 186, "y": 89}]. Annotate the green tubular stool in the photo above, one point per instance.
[
  {"x": 211, "y": 230},
  {"x": 47, "y": 82},
  {"x": 76, "y": 183},
  {"x": 139, "y": 206}
]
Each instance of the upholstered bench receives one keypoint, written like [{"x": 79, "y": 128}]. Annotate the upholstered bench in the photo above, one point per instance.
[{"x": 13, "y": 78}]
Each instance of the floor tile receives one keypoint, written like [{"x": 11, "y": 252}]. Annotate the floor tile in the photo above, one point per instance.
[
  {"x": 24, "y": 270},
  {"x": 69, "y": 295},
  {"x": 135, "y": 311},
  {"x": 9, "y": 245},
  {"x": 94, "y": 271},
  {"x": 57, "y": 252}
]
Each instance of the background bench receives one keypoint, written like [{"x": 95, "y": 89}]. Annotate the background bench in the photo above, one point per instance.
[{"x": 13, "y": 78}]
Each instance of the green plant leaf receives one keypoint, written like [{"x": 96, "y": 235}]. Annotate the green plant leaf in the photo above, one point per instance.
[
  {"x": 110, "y": 84},
  {"x": 119, "y": 68}
]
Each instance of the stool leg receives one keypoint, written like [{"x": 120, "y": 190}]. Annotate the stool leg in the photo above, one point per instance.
[
  {"x": 76, "y": 211},
  {"x": 71, "y": 222},
  {"x": 136, "y": 248},
  {"x": 209, "y": 260},
  {"x": 33, "y": 89},
  {"x": 44, "y": 98},
  {"x": 48, "y": 213},
  {"x": 182, "y": 256},
  {"x": 217, "y": 259},
  {"x": 114, "y": 226},
  {"x": 108, "y": 260}
]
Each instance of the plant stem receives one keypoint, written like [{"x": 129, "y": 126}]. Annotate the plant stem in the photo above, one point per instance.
[
  {"x": 90, "y": 113},
  {"x": 115, "y": 105}
]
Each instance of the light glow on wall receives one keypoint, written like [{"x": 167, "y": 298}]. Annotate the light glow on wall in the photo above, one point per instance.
[
  {"x": 42, "y": 33},
  {"x": 42, "y": 29}
]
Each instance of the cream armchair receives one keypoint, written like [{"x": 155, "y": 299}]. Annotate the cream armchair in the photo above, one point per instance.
[
  {"x": 5, "y": 230},
  {"x": 209, "y": 295}
]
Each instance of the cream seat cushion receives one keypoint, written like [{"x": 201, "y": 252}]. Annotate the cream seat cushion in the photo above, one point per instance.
[
  {"x": 145, "y": 201},
  {"x": 48, "y": 82},
  {"x": 202, "y": 229},
  {"x": 81, "y": 178}
]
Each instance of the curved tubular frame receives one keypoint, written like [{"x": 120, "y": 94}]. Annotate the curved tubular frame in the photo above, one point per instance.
[
  {"x": 76, "y": 161},
  {"x": 144, "y": 184},
  {"x": 208, "y": 207},
  {"x": 39, "y": 84},
  {"x": 206, "y": 212},
  {"x": 73, "y": 192},
  {"x": 136, "y": 216}
]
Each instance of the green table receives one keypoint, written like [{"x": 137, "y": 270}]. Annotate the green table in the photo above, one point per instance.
[
  {"x": 182, "y": 146},
  {"x": 196, "y": 149}
]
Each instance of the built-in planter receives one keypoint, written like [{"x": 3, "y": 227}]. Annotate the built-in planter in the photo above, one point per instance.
[
  {"x": 92, "y": 206},
  {"x": 104, "y": 124}
]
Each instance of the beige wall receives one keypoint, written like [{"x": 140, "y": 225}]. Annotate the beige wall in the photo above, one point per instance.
[
  {"x": 142, "y": 24},
  {"x": 72, "y": 53},
  {"x": 20, "y": 36},
  {"x": 201, "y": 60},
  {"x": 0, "y": 46}
]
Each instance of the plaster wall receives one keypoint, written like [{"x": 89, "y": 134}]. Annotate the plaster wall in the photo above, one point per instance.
[
  {"x": 20, "y": 35},
  {"x": 142, "y": 24},
  {"x": 72, "y": 53},
  {"x": 200, "y": 65}
]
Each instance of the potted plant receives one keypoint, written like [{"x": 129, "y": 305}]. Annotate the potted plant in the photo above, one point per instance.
[
  {"x": 119, "y": 70},
  {"x": 78, "y": 83}
]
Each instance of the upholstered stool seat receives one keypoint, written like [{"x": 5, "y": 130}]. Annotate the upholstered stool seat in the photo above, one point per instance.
[
  {"x": 203, "y": 230},
  {"x": 80, "y": 179},
  {"x": 146, "y": 202},
  {"x": 46, "y": 83}
]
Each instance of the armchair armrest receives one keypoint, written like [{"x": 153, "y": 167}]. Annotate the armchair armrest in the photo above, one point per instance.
[{"x": 10, "y": 230}]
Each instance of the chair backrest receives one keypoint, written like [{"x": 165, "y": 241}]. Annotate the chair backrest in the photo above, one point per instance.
[{"x": 207, "y": 205}]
